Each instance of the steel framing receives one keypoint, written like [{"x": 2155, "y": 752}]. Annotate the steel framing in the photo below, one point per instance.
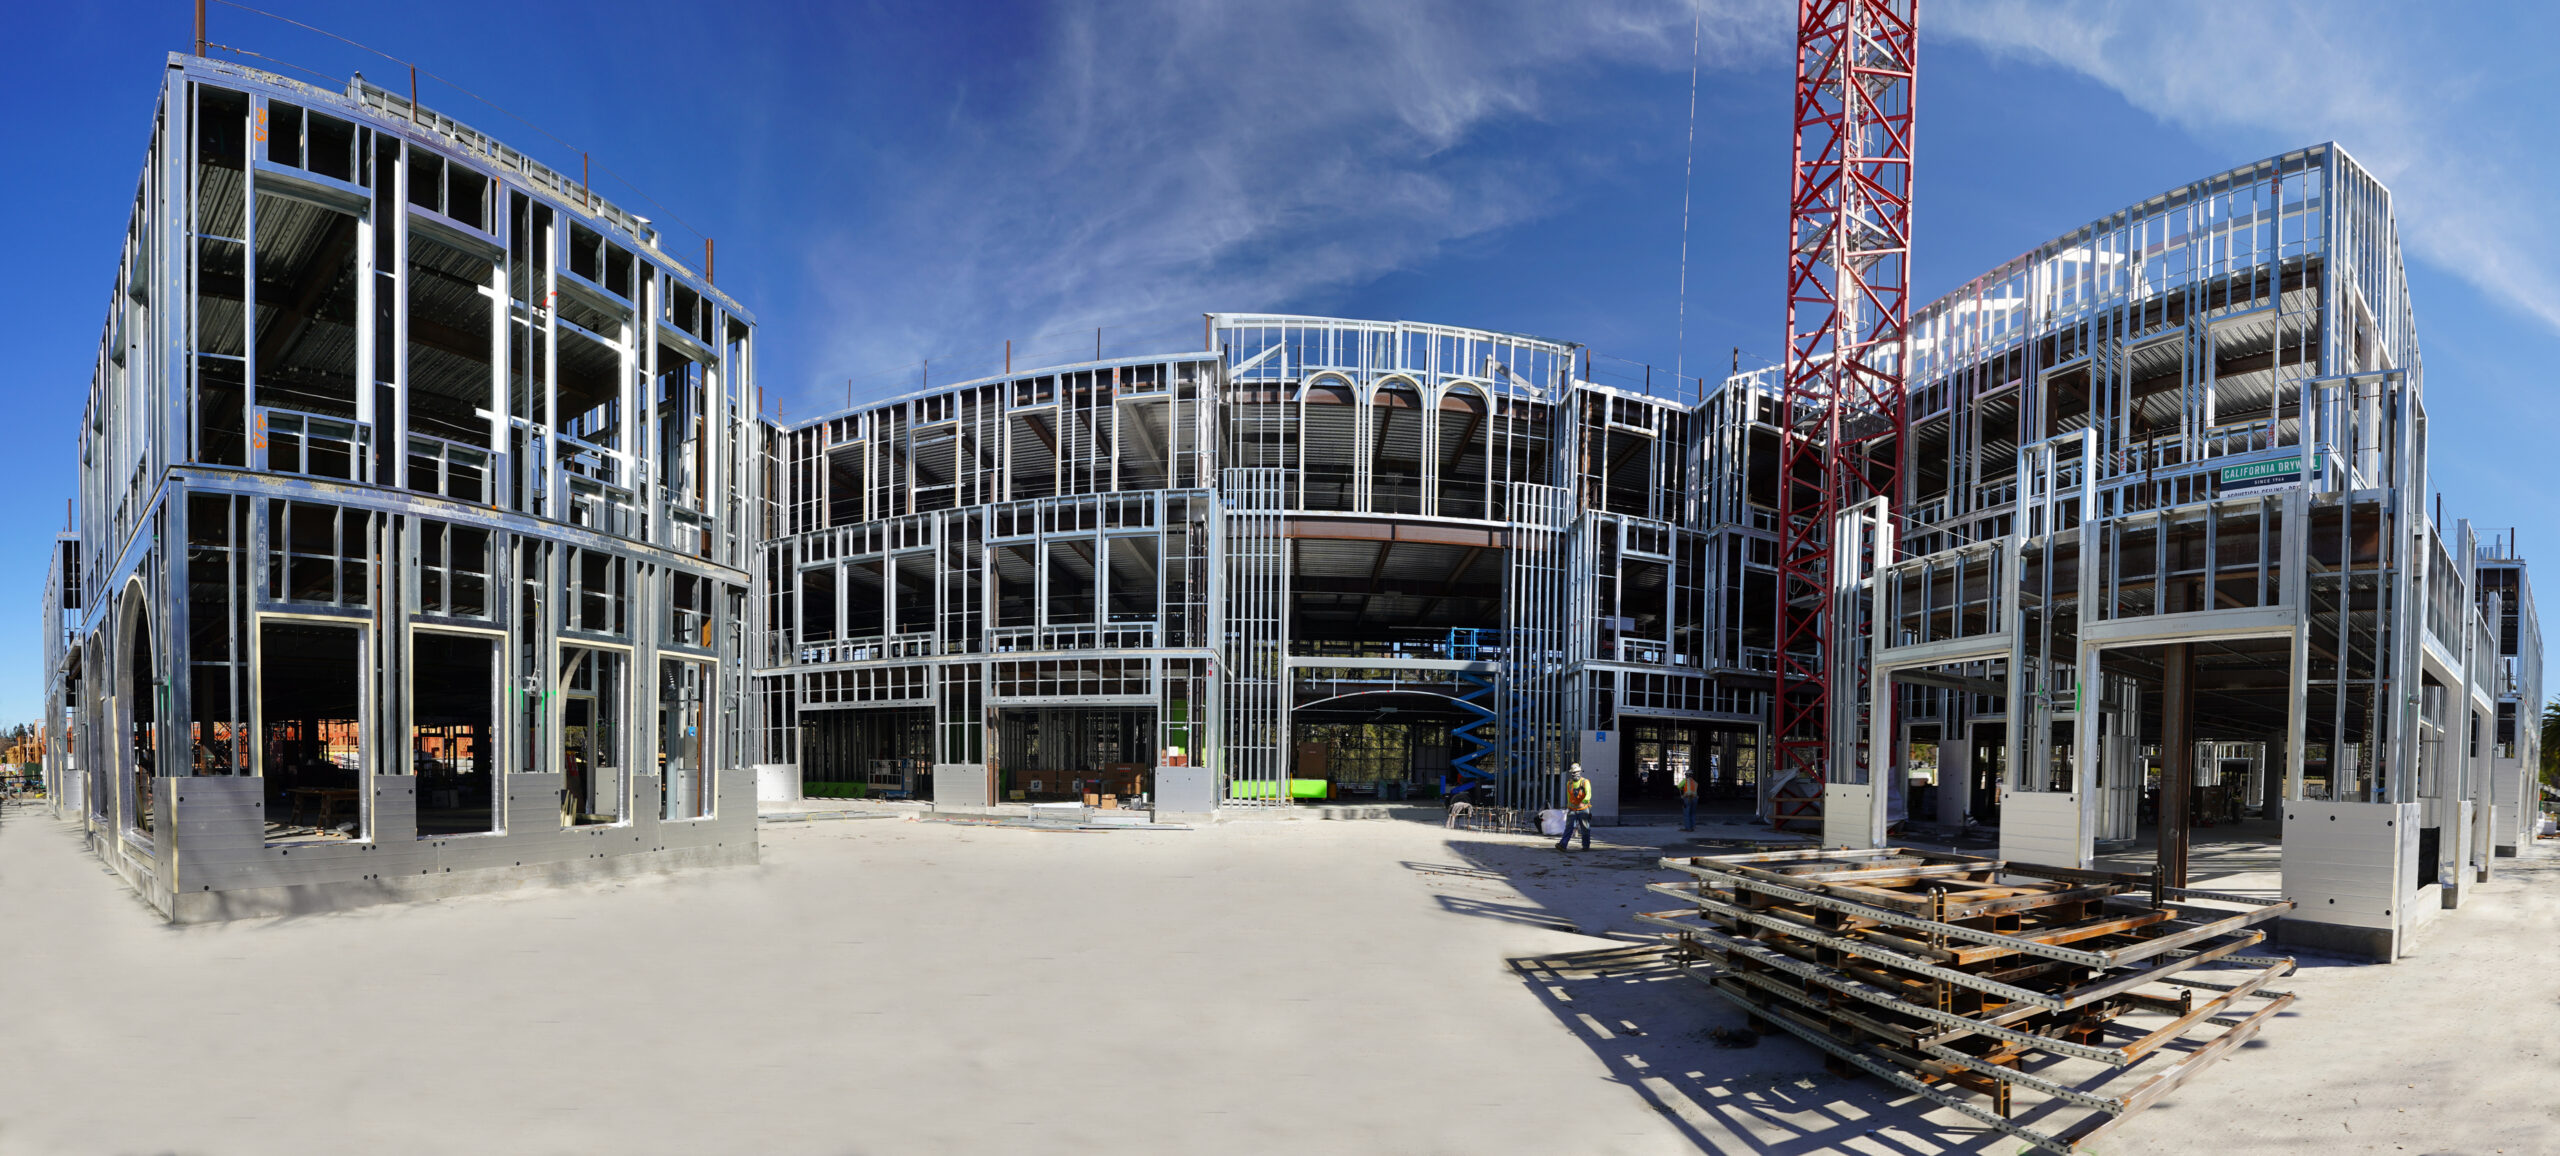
[
  {"x": 335, "y": 393},
  {"x": 1384, "y": 513},
  {"x": 2199, "y": 423},
  {"x": 2196, "y": 420}
]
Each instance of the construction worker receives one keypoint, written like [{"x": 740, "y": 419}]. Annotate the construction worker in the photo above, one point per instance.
[
  {"x": 1577, "y": 809},
  {"x": 1688, "y": 801}
]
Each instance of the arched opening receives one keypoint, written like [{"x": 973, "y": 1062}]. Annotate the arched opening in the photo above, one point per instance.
[
  {"x": 96, "y": 706},
  {"x": 137, "y": 710},
  {"x": 64, "y": 724},
  {"x": 1459, "y": 451},
  {"x": 1395, "y": 449},
  {"x": 1329, "y": 449}
]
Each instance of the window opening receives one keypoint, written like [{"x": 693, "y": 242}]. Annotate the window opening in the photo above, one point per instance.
[
  {"x": 318, "y": 553},
  {"x": 453, "y": 570},
  {"x": 217, "y": 649},
  {"x": 317, "y": 446},
  {"x": 451, "y": 310},
  {"x": 310, "y": 711}
]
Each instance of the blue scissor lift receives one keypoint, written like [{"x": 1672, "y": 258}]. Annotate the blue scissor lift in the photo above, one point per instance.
[{"x": 1468, "y": 773}]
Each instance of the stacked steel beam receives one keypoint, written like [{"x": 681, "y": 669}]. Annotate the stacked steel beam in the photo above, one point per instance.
[{"x": 2095, "y": 994}]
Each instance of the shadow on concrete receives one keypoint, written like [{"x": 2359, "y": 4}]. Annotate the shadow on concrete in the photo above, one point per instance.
[
  {"x": 1663, "y": 1035},
  {"x": 1667, "y": 1037},
  {"x": 1595, "y": 892}
]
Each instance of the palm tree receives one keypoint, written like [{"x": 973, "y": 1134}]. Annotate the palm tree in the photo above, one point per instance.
[{"x": 2551, "y": 742}]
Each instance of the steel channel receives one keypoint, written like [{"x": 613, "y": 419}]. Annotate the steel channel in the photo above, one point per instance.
[
  {"x": 1952, "y": 931},
  {"x": 1882, "y": 1071},
  {"x": 1770, "y": 957},
  {"x": 2159, "y": 972},
  {"x": 2259, "y": 960},
  {"x": 2187, "y": 1067},
  {"x": 1880, "y": 955},
  {"x": 2106, "y": 1104},
  {"x": 2220, "y": 896},
  {"x": 2230, "y": 999},
  {"x": 2162, "y": 946},
  {"x": 2221, "y": 986},
  {"x": 2010, "y": 992}
]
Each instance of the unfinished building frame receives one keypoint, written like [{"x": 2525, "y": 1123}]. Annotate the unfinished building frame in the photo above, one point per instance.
[
  {"x": 413, "y": 474},
  {"x": 414, "y": 479},
  {"x": 2166, "y": 475},
  {"x": 2167, "y": 504},
  {"x": 1387, "y": 558}
]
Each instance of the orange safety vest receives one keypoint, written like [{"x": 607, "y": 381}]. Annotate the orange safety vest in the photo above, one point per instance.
[
  {"x": 1689, "y": 788},
  {"x": 1577, "y": 797}
]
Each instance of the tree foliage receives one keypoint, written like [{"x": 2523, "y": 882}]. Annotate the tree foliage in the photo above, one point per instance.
[{"x": 2551, "y": 742}]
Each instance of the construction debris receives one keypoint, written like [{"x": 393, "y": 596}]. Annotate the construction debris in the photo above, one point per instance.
[{"x": 1950, "y": 974}]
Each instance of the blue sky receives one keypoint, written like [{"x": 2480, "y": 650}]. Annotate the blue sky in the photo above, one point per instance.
[{"x": 890, "y": 183}]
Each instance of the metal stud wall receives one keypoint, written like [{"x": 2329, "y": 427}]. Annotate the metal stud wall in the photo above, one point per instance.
[{"x": 1253, "y": 637}]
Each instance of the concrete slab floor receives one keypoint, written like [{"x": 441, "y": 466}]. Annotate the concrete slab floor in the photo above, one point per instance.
[
  {"x": 900, "y": 987},
  {"x": 2243, "y": 858}
]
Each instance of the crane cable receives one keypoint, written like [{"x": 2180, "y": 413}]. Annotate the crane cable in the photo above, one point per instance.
[{"x": 1688, "y": 168}]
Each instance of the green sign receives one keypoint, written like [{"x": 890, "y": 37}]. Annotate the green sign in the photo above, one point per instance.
[{"x": 2267, "y": 473}]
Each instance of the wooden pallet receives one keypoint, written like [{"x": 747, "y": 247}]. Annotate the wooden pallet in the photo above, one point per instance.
[{"x": 1971, "y": 981}]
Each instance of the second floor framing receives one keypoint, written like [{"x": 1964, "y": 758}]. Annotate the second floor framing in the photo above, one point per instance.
[{"x": 316, "y": 284}]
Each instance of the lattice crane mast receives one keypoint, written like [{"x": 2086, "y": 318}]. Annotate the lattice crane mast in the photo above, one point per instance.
[{"x": 1844, "y": 414}]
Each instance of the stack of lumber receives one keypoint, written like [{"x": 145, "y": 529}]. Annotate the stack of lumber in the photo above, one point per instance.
[{"x": 1970, "y": 981}]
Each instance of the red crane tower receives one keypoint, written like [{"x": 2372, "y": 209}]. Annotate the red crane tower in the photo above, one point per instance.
[{"x": 1848, "y": 306}]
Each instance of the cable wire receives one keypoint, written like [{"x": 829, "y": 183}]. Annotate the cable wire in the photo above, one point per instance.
[{"x": 1688, "y": 169}]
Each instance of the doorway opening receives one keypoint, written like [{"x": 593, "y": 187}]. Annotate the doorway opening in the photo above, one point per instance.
[
  {"x": 1658, "y": 754},
  {"x": 453, "y": 708},
  {"x": 140, "y": 684},
  {"x": 1989, "y": 763},
  {"x": 684, "y": 750},
  {"x": 591, "y": 736}
]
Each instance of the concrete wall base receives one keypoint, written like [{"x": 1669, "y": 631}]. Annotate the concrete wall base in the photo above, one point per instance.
[
  {"x": 313, "y": 898},
  {"x": 962, "y": 787},
  {"x": 211, "y": 860},
  {"x": 1186, "y": 790},
  {"x": 2373, "y": 943},
  {"x": 778, "y": 783}
]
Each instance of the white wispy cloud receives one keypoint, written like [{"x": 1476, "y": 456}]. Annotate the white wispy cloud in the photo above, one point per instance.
[
  {"x": 1185, "y": 155},
  {"x": 2406, "y": 90}
]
